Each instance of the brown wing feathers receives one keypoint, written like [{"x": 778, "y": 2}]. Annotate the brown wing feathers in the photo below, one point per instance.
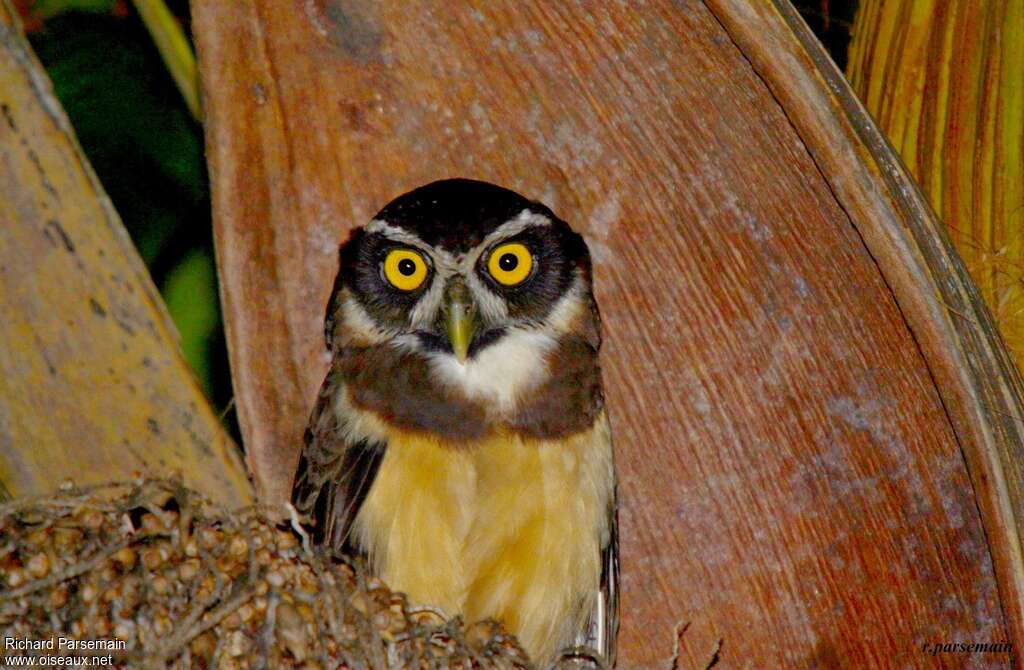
[{"x": 333, "y": 478}]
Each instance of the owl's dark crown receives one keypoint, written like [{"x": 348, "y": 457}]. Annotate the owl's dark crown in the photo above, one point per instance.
[{"x": 457, "y": 214}]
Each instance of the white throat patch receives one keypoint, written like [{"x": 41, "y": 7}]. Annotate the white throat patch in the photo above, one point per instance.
[{"x": 502, "y": 372}]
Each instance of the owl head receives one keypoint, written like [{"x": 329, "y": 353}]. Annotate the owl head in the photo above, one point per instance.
[{"x": 484, "y": 292}]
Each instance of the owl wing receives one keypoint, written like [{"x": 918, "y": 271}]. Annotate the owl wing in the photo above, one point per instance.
[
  {"x": 334, "y": 474},
  {"x": 602, "y": 629},
  {"x": 603, "y": 625},
  {"x": 610, "y": 588}
]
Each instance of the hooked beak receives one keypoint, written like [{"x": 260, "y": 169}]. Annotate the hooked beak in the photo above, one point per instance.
[{"x": 460, "y": 317}]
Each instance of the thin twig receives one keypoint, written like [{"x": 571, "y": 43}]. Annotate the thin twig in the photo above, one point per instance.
[{"x": 293, "y": 515}]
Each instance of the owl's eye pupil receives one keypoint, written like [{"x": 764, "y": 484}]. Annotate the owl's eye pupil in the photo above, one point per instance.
[
  {"x": 407, "y": 267},
  {"x": 508, "y": 262}
]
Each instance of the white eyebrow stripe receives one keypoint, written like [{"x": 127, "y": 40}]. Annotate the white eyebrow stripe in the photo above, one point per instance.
[
  {"x": 525, "y": 219},
  {"x": 395, "y": 233},
  {"x": 403, "y": 236}
]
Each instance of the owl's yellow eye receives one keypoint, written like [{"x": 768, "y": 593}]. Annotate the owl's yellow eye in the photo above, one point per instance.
[
  {"x": 405, "y": 269},
  {"x": 510, "y": 264}
]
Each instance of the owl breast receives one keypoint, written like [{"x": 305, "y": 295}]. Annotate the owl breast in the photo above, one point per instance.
[{"x": 504, "y": 527}]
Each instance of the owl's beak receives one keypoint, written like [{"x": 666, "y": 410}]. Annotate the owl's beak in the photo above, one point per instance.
[{"x": 460, "y": 317}]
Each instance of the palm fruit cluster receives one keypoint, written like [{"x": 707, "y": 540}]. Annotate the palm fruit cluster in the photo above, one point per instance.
[{"x": 186, "y": 584}]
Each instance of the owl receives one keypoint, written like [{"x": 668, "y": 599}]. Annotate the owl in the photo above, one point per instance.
[{"x": 460, "y": 441}]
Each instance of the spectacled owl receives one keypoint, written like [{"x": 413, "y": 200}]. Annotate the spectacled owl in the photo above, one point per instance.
[{"x": 460, "y": 440}]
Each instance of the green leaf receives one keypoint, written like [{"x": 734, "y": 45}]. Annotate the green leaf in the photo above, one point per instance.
[
  {"x": 191, "y": 297},
  {"x": 46, "y": 9}
]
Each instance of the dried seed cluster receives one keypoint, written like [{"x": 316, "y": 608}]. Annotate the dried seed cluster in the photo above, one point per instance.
[{"x": 186, "y": 584}]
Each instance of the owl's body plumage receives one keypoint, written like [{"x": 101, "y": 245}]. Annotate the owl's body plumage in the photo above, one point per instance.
[{"x": 460, "y": 440}]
